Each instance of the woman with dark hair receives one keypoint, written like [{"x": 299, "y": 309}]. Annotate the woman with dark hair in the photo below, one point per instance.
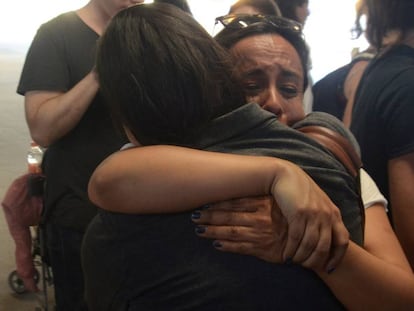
[
  {"x": 383, "y": 113},
  {"x": 168, "y": 82},
  {"x": 289, "y": 108},
  {"x": 263, "y": 53}
]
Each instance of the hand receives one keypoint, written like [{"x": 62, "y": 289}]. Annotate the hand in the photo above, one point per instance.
[
  {"x": 256, "y": 226},
  {"x": 315, "y": 225},
  {"x": 251, "y": 226}
]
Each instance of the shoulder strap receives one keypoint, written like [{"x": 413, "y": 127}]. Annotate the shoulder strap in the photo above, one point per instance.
[
  {"x": 343, "y": 151},
  {"x": 337, "y": 144}
]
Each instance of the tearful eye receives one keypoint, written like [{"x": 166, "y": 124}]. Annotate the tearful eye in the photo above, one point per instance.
[
  {"x": 251, "y": 87},
  {"x": 289, "y": 91}
]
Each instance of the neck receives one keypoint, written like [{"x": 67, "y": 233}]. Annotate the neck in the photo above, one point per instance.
[
  {"x": 95, "y": 16},
  {"x": 393, "y": 37}
]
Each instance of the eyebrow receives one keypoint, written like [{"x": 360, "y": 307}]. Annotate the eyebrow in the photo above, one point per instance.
[{"x": 259, "y": 70}]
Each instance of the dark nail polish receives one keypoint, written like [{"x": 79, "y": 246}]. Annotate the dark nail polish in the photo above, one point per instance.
[
  {"x": 206, "y": 206},
  {"x": 200, "y": 229},
  {"x": 196, "y": 215},
  {"x": 288, "y": 261},
  {"x": 217, "y": 244}
]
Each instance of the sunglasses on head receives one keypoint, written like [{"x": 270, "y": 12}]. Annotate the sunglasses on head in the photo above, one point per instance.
[{"x": 239, "y": 21}]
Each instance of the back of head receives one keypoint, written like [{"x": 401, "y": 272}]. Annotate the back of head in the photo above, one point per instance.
[
  {"x": 244, "y": 26},
  {"x": 163, "y": 75},
  {"x": 388, "y": 15},
  {"x": 182, "y": 4},
  {"x": 288, "y": 7},
  {"x": 265, "y": 7}
]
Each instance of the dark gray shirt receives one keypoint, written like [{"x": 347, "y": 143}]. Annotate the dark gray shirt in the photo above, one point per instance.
[{"x": 156, "y": 262}]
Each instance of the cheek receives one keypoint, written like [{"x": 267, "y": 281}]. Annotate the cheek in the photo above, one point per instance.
[
  {"x": 259, "y": 97},
  {"x": 294, "y": 112}
]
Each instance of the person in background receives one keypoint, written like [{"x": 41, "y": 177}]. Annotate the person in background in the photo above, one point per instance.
[
  {"x": 182, "y": 4},
  {"x": 255, "y": 226},
  {"x": 65, "y": 113},
  {"x": 383, "y": 112},
  {"x": 335, "y": 92},
  {"x": 265, "y": 7},
  {"x": 206, "y": 110},
  {"x": 297, "y": 10}
]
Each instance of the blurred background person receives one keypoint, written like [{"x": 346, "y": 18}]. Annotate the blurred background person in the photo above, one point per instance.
[
  {"x": 65, "y": 113},
  {"x": 335, "y": 92},
  {"x": 383, "y": 112},
  {"x": 264, "y": 7},
  {"x": 298, "y": 10}
]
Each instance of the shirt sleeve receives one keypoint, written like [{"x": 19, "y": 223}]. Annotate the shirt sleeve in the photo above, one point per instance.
[
  {"x": 396, "y": 108},
  {"x": 45, "y": 67},
  {"x": 369, "y": 191}
]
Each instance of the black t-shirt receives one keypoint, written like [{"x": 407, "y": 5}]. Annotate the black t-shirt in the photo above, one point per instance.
[
  {"x": 328, "y": 92},
  {"x": 157, "y": 262},
  {"x": 61, "y": 54},
  {"x": 383, "y": 114}
]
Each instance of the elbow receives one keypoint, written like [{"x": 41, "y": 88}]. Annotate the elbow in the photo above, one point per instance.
[
  {"x": 41, "y": 138},
  {"x": 96, "y": 189}
]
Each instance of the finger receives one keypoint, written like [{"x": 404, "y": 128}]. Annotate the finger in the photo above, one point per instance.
[
  {"x": 220, "y": 217},
  {"x": 320, "y": 254},
  {"x": 250, "y": 204},
  {"x": 231, "y": 233},
  {"x": 308, "y": 243},
  {"x": 243, "y": 248},
  {"x": 340, "y": 241},
  {"x": 295, "y": 234}
]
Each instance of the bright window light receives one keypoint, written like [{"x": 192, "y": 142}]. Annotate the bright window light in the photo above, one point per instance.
[{"x": 327, "y": 29}]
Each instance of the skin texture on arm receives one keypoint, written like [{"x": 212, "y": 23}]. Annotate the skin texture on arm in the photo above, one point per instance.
[
  {"x": 223, "y": 176},
  {"x": 377, "y": 277},
  {"x": 401, "y": 182},
  {"x": 192, "y": 178},
  {"x": 58, "y": 111}
]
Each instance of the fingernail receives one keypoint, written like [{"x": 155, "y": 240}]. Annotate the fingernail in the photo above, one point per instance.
[
  {"x": 217, "y": 244},
  {"x": 288, "y": 261},
  {"x": 330, "y": 270},
  {"x": 196, "y": 215},
  {"x": 206, "y": 206},
  {"x": 200, "y": 229}
]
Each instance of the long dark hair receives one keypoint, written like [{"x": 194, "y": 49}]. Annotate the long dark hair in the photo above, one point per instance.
[
  {"x": 387, "y": 15},
  {"x": 163, "y": 75}
]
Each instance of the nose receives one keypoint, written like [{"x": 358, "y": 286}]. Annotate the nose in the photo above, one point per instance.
[{"x": 273, "y": 103}]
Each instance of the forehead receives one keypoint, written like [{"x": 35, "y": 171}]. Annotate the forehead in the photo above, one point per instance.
[{"x": 267, "y": 50}]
